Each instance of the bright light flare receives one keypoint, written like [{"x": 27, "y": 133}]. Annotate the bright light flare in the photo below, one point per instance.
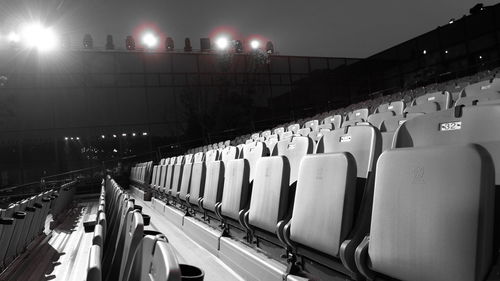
[
  {"x": 222, "y": 43},
  {"x": 42, "y": 38},
  {"x": 150, "y": 40},
  {"x": 255, "y": 44},
  {"x": 13, "y": 37}
]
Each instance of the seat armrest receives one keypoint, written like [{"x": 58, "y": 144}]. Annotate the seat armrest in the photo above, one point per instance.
[
  {"x": 362, "y": 259},
  {"x": 218, "y": 210},
  {"x": 281, "y": 233}
]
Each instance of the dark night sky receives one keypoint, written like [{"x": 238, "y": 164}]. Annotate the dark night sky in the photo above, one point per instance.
[{"x": 342, "y": 28}]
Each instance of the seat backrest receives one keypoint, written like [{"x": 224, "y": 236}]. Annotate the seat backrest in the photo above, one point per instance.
[
  {"x": 443, "y": 99},
  {"x": 312, "y": 124},
  {"x": 252, "y": 153},
  {"x": 427, "y": 107},
  {"x": 155, "y": 175},
  {"x": 186, "y": 176},
  {"x": 198, "y": 174},
  {"x": 480, "y": 88},
  {"x": 236, "y": 186},
  {"x": 293, "y": 128},
  {"x": 335, "y": 120},
  {"x": 177, "y": 171},
  {"x": 134, "y": 228},
  {"x": 304, "y": 132},
  {"x": 285, "y": 135},
  {"x": 376, "y": 119},
  {"x": 294, "y": 149},
  {"x": 214, "y": 181},
  {"x": 429, "y": 188},
  {"x": 278, "y": 130},
  {"x": 455, "y": 126},
  {"x": 269, "y": 199},
  {"x": 358, "y": 115},
  {"x": 254, "y": 136},
  {"x": 271, "y": 143},
  {"x": 326, "y": 188},
  {"x": 396, "y": 106},
  {"x": 229, "y": 153},
  {"x": 363, "y": 142},
  {"x": 212, "y": 155},
  {"x": 94, "y": 269},
  {"x": 154, "y": 253},
  {"x": 265, "y": 133},
  {"x": 479, "y": 99}
]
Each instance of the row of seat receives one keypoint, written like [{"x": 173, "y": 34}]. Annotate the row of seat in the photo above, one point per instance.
[
  {"x": 123, "y": 249},
  {"x": 425, "y": 223},
  {"x": 21, "y": 222}
]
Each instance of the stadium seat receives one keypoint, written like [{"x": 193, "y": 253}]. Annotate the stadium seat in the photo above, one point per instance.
[
  {"x": 363, "y": 142},
  {"x": 274, "y": 188},
  {"x": 304, "y": 132},
  {"x": 389, "y": 126},
  {"x": 312, "y": 124},
  {"x": 430, "y": 102},
  {"x": 186, "y": 177},
  {"x": 154, "y": 252},
  {"x": 358, "y": 115},
  {"x": 334, "y": 120},
  {"x": 214, "y": 180},
  {"x": 177, "y": 173},
  {"x": 427, "y": 222},
  {"x": 238, "y": 180},
  {"x": 376, "y": 119},
  {"x": 294, "y": 128},
  {"x": 396, "y": 106},
  {"x": 94, "y": 270}
]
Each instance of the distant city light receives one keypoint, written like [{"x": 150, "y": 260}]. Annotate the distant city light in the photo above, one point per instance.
[
  {"x": 34, "y": 35},
  {"x": 133, "y": 134},
  {"x": 103, "y": 137},
  {"x": 480, "y": 57},
  {"x": 222, "y": 43},
  {"x": 124, "y": 135},
  {"x": 13, "y": 37},
  {"x": 150, "y": 40},
  {"x": 71, "y": 138},
  {"x": 451, "y": 21},
  {"x": 446, "y": 51},
  {"x": 77, "y": 138},
  {"x": 114, "y": 150},
  {"x": 424, "y": 52},
  {"x": 255, "y": 44},
  {"x": 114, "y": 136},
  {"x": 66, "y": 138},
  {"x": 144, "y": 134}
]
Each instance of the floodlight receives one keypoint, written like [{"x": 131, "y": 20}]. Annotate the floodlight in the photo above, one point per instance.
[
  {"x": 150, "y": 40},
  {"x": 37, "y": 36},
  {"x": 13, "y": 37},
  {"x": 222, "y": 43},
  {"x": 255, "y": 44}
]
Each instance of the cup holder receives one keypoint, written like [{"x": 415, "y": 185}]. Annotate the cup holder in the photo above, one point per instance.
[{"x": 191, "y": 273}]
